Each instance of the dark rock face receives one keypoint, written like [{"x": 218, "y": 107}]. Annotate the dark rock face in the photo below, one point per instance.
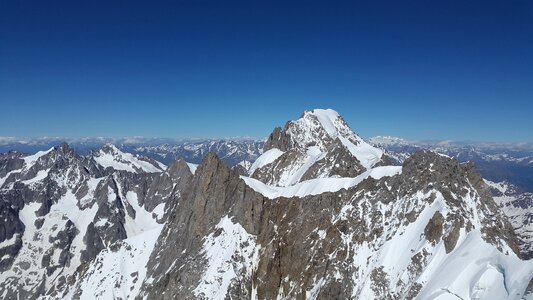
[
  {"x": 338, "y": 161},
  {"x": 272, "y": 173},
  {"x": 169, "y": 183},
  {"x": 278, "y": 139},
  {"x": 9, "y": 162},
  {"x": 214, "y": 191},
  {"x": 62, "y": 241},
  {"x": 433, "y": 229},
  {"x": 11, "y": 231},
  {"x": 428, "y": 170}
]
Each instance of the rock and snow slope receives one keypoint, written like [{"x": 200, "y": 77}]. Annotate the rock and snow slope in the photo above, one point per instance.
[
  {"x": 323, "y": 216},
  {"x": 318, "y": 145}
]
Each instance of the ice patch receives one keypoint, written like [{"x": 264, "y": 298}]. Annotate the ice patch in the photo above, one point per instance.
[{"x": 192, "y": 167}]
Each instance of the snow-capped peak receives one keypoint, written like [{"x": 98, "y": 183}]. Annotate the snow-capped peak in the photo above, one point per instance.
[
  {"x": 110, "y": 156},
  {"x": 322, "y": 127},
  {"x": 319, "y": 127},
  {"x": 319, "y": 144}
]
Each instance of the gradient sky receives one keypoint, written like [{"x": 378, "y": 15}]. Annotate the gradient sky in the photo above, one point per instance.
[{"x": 458, "y": 70}]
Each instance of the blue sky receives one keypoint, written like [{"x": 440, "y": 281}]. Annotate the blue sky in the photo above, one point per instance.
[{"x": 415, "y": 69}]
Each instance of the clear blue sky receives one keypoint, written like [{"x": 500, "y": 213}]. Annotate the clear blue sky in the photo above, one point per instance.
[{"x": 423, "y": 70}]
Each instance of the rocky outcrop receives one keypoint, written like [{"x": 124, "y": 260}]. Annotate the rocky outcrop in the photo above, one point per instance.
[
  {"x": 279, "y": 139},
  {"x": 214, "y": 192},
  {"x": 516, "y": 205}
]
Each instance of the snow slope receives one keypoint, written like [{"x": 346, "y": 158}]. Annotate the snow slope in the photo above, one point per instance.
[
  {"x": 226, "y": 258},
  {"x": 265, "y": 159},
  {"x": 306, "y": 131},
  {"x": 119, "y": 270}
]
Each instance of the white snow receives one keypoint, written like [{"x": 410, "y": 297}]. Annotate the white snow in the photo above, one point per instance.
[
  {"x": 502, "y": 187},
  {"x": 9, "y": 242},
  {"x": 327, "y": 118},
  {"x": 30, "y": 160},
  {"x": 227, "y": 259},
  {"x": 159, "y": 211},
  {"x": 36, "y": 241},
  {"x": 364, "y": 152},
  {"x": 3, "y": 179},
  {"x": 143, "y": 220},
  {"x": 477, "y": 270},
  {"x": 367, "y": 155},
  {"x": 120, "y": 274},
  {"x": 318, "y": 185},
  {"x": 265, "y": 159},
  {"x": 67, "y": 206},
  {"x": 313, "y": 136},
  {"x": 246, "y": 165},
  {"x": 42, "y": 174}
]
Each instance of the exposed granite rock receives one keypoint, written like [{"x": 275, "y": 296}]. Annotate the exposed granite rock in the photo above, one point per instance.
[
  {"x": 215, "y": 191},
  {"x": 164, "y": 185},
  {"x": 433, "y": 229},
  {"x": 278, "y": 139},
  {"x": 338, "y": 161}
]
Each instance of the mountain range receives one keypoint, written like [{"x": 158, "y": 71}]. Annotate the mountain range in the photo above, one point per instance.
[{"x": 314, "y": 211}]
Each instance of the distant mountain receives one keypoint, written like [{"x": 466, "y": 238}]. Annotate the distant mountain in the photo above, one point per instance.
[{"x": 231, "y": 150}]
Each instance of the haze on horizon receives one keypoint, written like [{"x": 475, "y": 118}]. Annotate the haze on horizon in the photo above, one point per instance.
[{"x": 444, "y": 70}]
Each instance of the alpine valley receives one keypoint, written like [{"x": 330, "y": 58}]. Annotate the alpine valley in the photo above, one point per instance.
[{"x": 312, "y": 212}]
